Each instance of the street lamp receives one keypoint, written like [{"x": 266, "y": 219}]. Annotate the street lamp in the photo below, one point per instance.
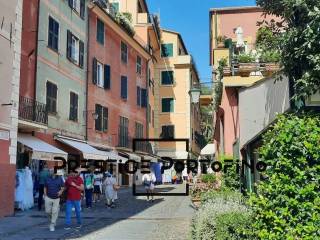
[
  {"x": 95, "y": 115},
  {"x": 195, "y": 94}
]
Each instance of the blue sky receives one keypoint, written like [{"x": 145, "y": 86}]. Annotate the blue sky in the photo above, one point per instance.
[{"x": 191, "y": 19}]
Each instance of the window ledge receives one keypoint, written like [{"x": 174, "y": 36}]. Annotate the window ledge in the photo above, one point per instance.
[{"x": 52, "y": 50}]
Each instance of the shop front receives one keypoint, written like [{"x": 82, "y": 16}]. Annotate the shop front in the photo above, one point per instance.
[{"x": 32, "y": 155}]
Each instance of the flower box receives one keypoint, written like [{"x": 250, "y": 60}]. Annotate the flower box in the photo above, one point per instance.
[
  {"x": 246, "y": 68},
  {"x": 271, "y": 68},
  {"x": 226, "y": 71}
]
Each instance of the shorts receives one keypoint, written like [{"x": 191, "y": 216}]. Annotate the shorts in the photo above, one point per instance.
[{"x": 97, "y": 189}]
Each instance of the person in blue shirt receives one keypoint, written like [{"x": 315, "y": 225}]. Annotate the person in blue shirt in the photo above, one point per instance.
[{"x": 53, "y": 190}]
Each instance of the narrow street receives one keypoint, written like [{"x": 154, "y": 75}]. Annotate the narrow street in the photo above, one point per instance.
[{"x": 168, "y": 217}]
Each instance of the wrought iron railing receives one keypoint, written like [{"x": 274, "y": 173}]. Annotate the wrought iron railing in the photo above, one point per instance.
[{"x": 32, "y": 110}]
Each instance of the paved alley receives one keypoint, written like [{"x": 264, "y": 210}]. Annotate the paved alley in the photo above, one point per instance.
[{"x": 168, "y": 217}]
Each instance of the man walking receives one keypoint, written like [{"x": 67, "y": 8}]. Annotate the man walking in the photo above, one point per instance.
[
  {"x": 74, "y": 187},
  {"x": 88, "y": 187},
  {"x": 53, "y": 189}
]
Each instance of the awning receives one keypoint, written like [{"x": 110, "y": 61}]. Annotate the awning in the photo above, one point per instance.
[
  {"x": 174, "y": 154},
  {"x": 131, "y": 156},
  {"x": 112, "y": 155},
  {"x": 209, "y": 149},
  {"x": 88, "y": 152},
  {"x": 40, "y": 149},
  {"x": 150, "y": 158}
]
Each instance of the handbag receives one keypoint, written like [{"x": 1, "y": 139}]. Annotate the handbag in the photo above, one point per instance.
[{"x": 116, "y": 187}]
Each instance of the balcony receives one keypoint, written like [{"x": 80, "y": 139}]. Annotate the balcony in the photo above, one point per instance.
[{"x": 32, "y": 113}]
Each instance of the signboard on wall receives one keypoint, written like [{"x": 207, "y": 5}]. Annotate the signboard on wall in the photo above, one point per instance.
[{"x": 4, "y": 135}]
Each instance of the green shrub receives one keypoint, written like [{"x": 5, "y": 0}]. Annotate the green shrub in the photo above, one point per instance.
[
  {"x": 287, "y": 204},
  {"x": 206, "y": 224},
  {"x": 225, "y": 194},
  {"x": 266, "y": 39},
  {"x": 246, "y": 58},
  {"x": 234, "y": 225},
  {"x": 208, "y": 178},
  {"x": 230, "y": 178},
  {"x": 270, "y": 56}
]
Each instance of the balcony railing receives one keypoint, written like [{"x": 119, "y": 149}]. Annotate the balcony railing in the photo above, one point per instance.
[{"x": 33, "y": 111}]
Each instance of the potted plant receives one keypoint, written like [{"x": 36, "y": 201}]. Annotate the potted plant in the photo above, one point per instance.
[
  {"x": 247, "y": 64},
  {"x": 220, "y": 41},
  {"x": 271, "y": 60}
]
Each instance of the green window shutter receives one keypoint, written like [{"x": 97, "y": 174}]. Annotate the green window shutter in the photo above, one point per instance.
[
  {"x": 94, "y": 71},
  {"x": 124, "y": 87},
  {"x": 138, "y": 96},
  {"x": 167, "y": 77},
  {"x": 105, "y": 119},
  {"x": 82, "y": 8},
  {"x": 107, "y": 77},
  {"x": 100, "y": 31},
  {"x": 81, "y": 53},
  {"x": 167, "y": 105},
  {"x": 167, "y": 50},
  {"x": 144, "y": 98},
  {"x": 98, "y": 122}
]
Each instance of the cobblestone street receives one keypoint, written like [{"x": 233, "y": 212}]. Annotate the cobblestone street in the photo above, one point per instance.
[{"x": 168, "y": 217}]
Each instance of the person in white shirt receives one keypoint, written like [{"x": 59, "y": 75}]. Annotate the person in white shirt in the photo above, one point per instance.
[
  {"x": 111, "y": 187},
  {"x": 149, "y": 180}
]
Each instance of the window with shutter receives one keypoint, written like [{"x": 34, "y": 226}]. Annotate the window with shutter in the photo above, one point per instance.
[
  {"x": 167, "y": 131},
  {"x": 73, "y": 114},
  {"x": 107, "y": 77},
  {"x": 69, "y": 44},
  {"x": 138, "y": 96},
  {"x": 167, "y": 77},
  {"x": 167, "y": 105},
  {"x": 53, "y": 34},
  {"x": 51, "y": 99},
  {"x": 139, "y": 65},
  {"x": 144, "y": 98},
  {"x": 105, "y": 119},
  {"x": 100, "y": 31},
  {"x": 123, "y": 132},
  {"x": 124, "y": 87},
  {"x": 100, "y": 75},
  {"x": 167, "y": 50},
  {"x": 81, "y": 54},
  {"x": 82, "y": 8},
  {"x": 94, "y": 71},
  {"x": 98, "y": 122},
  {"x": 124, "y": 52}
]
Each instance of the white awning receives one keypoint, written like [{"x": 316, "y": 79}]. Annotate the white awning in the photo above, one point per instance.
[
  {"x": 40, "y": 149},
  {"x": 150, "y": 158},
  {"x": 132, "y": 156},
  {"x": 174, "y": 154},
  {"x": 209, "y": 149},
  {"x": 88, "y": 152},
  {"x": 112, "y": 155}
]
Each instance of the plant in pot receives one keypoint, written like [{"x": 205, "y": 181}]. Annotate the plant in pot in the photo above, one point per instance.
[
  {"x": 247, "y": 64},
  {"x": 220, "y": 41},
  {"x": 226, "y": 68},
  {"x": 271, "y": 60}
]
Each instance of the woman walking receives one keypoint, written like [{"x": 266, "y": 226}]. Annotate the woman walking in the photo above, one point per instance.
[
  {"x": 149, "y": 180},
  {"x": 110, "y": 186}
]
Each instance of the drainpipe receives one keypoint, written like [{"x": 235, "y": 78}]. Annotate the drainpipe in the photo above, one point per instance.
[{"x": 147, "y": 87}]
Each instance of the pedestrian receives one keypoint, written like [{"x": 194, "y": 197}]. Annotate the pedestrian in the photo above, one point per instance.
[
  {"x": 74, "y": 187},
  {"x": 53, "y": 190},
  {"x": 149, "y": 180},
  {"x": 185, "y": 174},
  {"x": 97, "y": 188},
  {"x": 43, "y": 176},
  {"x": 110, "y": 186},
  {"x": 88, "y": 187}
]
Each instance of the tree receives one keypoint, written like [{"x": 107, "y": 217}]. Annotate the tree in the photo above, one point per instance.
[{"x": 300, "y": 42}]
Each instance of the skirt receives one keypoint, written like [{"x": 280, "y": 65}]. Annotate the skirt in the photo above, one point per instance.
[{"x": 97, "y": 189}]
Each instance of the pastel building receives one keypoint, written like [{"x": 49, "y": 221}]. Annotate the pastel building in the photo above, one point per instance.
[
  {"x": 10, "y": 48},
  {"x": 236, "y": 26},
  {"x": 175, "y": 115}
]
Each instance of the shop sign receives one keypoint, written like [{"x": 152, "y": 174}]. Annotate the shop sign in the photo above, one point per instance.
[{"x": 4, "y": 135}]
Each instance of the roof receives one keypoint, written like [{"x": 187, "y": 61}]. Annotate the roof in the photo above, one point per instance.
[
  {"x": 238, "y": 81},
  {"x": 180, "y": 38},
  {"x": 232, "y": 9}
]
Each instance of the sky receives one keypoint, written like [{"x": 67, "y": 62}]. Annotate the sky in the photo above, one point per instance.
[{"x": 191, "y": 19}]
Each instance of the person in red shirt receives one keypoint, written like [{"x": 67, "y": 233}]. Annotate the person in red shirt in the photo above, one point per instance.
[{"x": 74, "y": 187}]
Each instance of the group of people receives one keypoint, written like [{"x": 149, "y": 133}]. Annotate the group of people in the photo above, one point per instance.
[{"x": 55, "y": 189}]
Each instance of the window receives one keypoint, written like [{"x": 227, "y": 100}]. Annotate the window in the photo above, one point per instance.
[
  {"x": 124, "y": 87},
  {"x": 139, "y": 130},
  {"x": 73, "y": 113},
  {"x": 167, "y": 131},
  {"x": 167, "y": 50},
  {"x": 167, "y": 77},
  {"x": 138, "y": 96},
  {"x": 101, "y": 123},
  {"x": 75, "y": 49},
  {"x": 100, "y": 31},
  {"x": 142, "y": 97},
  {"x": 124, "y": 52},
  {"x": 78, "y": 6},
  {"x": 167, "y": 105},
  {"x": 53, "y": 34},
  {"x": 115, "y": 6},
  {"x": 139, "y": 65},
  {"x": 51, "y": 97},
  {"x": 124, "y": 132},
  {"x": 101, "y": 74}
]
